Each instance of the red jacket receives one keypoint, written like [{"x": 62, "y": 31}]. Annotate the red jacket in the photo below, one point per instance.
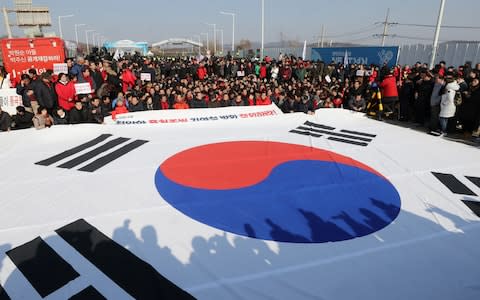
[
  {"x": 119, "y": 109},
  {"x": 264, "y": 101},
  {"x": 128, "y": 80},
  {"x": 201, "y": 72},
  {"x": 389, "y": 87},
  {"x": 66, "y": 95},
  {"x": 164, "y": 105},
  {"x": 263, "y": 72}
]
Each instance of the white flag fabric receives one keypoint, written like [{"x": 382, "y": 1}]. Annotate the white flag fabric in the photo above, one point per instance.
[
  {"x": 345, "y": 59},
  {"x": 304, "y": 52},
  {"x": 238, "y": 203}
]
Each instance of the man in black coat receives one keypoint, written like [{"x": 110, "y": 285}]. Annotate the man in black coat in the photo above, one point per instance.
[
  {"x": 45, "y": 92},
  {"x": 23, "y": 119},
  {"x": 78, "y": 114},
  {"x": 198, "y": 102}
]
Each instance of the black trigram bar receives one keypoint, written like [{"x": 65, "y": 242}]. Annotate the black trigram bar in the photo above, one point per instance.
[
  {"x": 132, "y": 274},
  {"x": 453, "y": 184},
  {"x": 348, "y": 141},
  {"x": 3, "y": 294},
  {"x": 358, "y": 133},
  {"x": 42, "y": 266},
  {"x": 102, "y": 161},
  {"x": 319, "y": 126},
  {"x": 89, "y": 293},
  {"x": 474, "y": 180},
  {"x": 473, "y": 205},
  {"x": 70, "y": 152},
  {"x": 305, "y": 133},
  {"x": 341, "y": 135},
  {"x": 91, "y": 154}
]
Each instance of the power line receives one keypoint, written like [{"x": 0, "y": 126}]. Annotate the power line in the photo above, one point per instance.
[
  {"x": 362, "y": 30},
  {"x": 433, "y": 26}
]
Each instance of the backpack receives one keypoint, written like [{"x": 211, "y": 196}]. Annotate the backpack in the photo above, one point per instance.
[{"x": 458, "y": 98}]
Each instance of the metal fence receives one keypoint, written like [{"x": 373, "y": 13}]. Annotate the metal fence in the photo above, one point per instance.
[{"x": 454, "y": 54}]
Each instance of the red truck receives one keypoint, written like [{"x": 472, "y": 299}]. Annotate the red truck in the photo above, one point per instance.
[{"x": 21, "y": 54}]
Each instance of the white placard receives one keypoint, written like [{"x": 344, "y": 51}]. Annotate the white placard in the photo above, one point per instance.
[
  {"x": 240, "y": 73},
  {"x": 9, "y": 100},
  {"x": 146, "y": 76},
  {"x": 60, "y": 68},
  {"x": 360, "y": 73},
  {"x": 83, "y": 88}
]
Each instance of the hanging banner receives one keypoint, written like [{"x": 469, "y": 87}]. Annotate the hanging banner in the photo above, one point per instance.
[{"x": 357, "y": 55}]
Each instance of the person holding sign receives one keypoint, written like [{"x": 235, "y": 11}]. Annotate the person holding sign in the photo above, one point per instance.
[{"x": 66, "y": 92}]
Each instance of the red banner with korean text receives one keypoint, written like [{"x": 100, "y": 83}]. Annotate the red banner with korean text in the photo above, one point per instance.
[{"x": 22, "y": 54}]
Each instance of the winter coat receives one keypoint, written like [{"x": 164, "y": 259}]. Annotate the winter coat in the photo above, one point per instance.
[
  {"x": 23, "y": 121},
  {"x": 46, "y": 95},
  {"x": 447, "y": 104},
  {"x": 389, "y": 87},
  {"x": 66, "y": 95},
  {"x": 40, "y": 122},
  {"x": 118, "y": 111}
]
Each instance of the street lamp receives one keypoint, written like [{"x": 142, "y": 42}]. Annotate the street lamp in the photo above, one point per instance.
[
  {"x": 76, "y": 31},
  {"x": 233, "y": 27},
  {"x": 86, "y": 38},
  {"x": 199, "y": 42},
  {"x": 207, "y": 47},
  {"x": 221, "y": 38},
  {"x": 60, "y": 24},
  {"x": 94, "y": 44},
  {"x": 214, "y": 37},
  {"x": 437, "y": 34}
]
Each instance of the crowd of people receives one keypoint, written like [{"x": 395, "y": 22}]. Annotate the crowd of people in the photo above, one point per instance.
[{"x": 443, "y": 99}]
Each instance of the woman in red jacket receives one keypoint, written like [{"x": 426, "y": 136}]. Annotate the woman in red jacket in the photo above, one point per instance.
[{"x": 65, "y": 90}]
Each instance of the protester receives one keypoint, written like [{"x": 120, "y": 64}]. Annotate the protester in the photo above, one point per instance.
[
  {"x": 42, "y": 119},
  {"x": 78, "y": 114},
  {"x": 60, "y": 117},
  {"x": 357, "y": 103},
  {"x": 5, "y": 120},
  {"x": 447, "y": 104},
  {"x": 291, "y": 83},
  {"x": 65, "y": 90},
  {"x": 23, "y": 119},
  {"x": 120, "y": 108}
]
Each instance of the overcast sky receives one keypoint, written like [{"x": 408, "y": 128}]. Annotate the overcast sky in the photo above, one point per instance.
[{"x": 344, "y": 20}]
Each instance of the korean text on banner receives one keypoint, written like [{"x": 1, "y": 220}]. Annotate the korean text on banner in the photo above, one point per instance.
[
  {"x": 60, "y": 68},
  {"x": 9, "y": 100},
  {"x": 145, "y": 76},
  {"x": 83, "y": 88}
]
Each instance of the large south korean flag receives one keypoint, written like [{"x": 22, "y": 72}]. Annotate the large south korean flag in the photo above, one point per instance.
[{"x": 238, "y": 203}]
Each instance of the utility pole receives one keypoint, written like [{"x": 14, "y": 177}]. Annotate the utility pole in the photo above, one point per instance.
[
  {"x": 437, "y": 34},
  {"x": 7, "y": 22},
  {"x": 385, "y": 28},
  {"x": 263, "y": 30}
]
